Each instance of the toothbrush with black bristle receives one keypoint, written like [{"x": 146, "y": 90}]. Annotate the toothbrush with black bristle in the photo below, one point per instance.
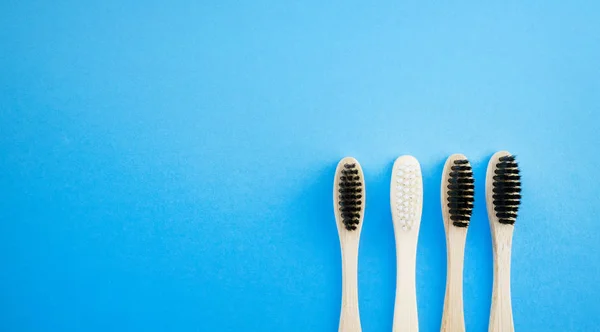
[
  {"x": 503, "y": 197},
  {"x": 406, "y": 201},
  {"x": 458, "y": 188},
  {"x": 349, "y": 208}
]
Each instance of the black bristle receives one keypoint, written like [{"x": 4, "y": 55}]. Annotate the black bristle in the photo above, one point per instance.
[
  {"x": 507, "y": 189},
  {"x": 350, "y": 197},
  {"x": 501, "y": 187},
  {"x": 506, "y": 177},
  {"x": 459, "y": 180},
  {"x": 461, "y": 205},
  {"x": 461, "y": 190},
  {"x": 461, "y": 168},
  {"x": 507, "y": 197},
  {"x": 507, "y": 158},
  {"x": 506, "y": 208},
  {"x": 506, "y": 171},
  {"x": 461, "y": 186}
]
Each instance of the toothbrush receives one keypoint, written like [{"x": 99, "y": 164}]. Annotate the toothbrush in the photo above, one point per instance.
[
  {"x": 349, "y": 207},
  {"x": 457, "y": 204},
  {"x": 406, "y": 201},
  {"x": 503, "y": 197}
]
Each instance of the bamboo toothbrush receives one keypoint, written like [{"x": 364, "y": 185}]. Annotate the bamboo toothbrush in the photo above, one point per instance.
[
  {"x": 503, "y": 197},
  {"x": 457, "y": 205},
  {"x": 349, "y": 207},
  {"x": 406, "y": 201}
]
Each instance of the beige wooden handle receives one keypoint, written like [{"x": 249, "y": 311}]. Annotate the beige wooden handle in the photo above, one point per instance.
[
  {"x": 405, "y": 309},
  {"x": 349, "y": 317},
  {"x": 501, "y": 317},
  {"x": 453, "y": 319}
]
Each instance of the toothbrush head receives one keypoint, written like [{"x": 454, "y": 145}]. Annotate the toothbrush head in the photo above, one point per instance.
[
  {"x": 406, "y": 193},
  {"x": 458, "y": 190},
  {"x": 506, "y": 187},
  {"x": 349, "y": 194}
]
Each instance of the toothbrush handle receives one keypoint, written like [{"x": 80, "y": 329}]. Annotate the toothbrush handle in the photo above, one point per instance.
[
  {"x": 453, "y": 319},
  {"x": 405, "y": 309},
  {"x": 501, "y": 317},
  {"x": 349, "y": 317}
]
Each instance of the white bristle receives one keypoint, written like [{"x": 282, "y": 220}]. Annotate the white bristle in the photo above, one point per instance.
[{"x": 408, "y": 191}]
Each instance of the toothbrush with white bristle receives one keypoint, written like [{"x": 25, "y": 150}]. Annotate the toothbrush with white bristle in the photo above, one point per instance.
[
  {"x": 406, "y": 201},
  {"x": 349, "y": 207}
]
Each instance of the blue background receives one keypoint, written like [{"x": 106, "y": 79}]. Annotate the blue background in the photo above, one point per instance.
[{"x": 168, "y": 166}]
